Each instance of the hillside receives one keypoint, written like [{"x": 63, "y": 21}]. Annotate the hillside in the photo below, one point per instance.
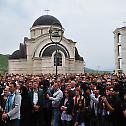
[
  {"x": 89, "y": 70},
  {"x": 3, "y": 63}
]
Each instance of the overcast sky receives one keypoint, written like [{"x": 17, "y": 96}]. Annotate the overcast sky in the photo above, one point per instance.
[{"x": 88, "y": 22}]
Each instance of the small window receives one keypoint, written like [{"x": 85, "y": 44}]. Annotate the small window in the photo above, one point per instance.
[
  {"x": 41, "y": 31},
  {"x": 33, "y": 32},
  {"x": 58, "y": 58}
]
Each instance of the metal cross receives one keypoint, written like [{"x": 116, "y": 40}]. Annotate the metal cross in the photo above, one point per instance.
[{"x": 47, "y": 11}]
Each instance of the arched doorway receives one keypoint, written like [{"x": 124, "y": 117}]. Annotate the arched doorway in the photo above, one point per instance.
[{"x": 58, "y": 59}]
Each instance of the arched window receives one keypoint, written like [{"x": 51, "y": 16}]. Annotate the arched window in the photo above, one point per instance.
[{"x": 58, "y": 56}]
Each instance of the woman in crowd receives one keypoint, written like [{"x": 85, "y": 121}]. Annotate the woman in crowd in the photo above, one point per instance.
[
  {"x": 66, "y": 108},
  {"x": 80, "y": 114},
  {"x": 78, "y": 96}
]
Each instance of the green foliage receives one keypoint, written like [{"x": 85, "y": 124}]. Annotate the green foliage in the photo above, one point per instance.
[{"x": 3, "y": 63}]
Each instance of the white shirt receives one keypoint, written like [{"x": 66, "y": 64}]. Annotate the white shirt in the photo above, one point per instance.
[
  {"x": 57, "y": 96},
  {"x": 35, "y": 98}
]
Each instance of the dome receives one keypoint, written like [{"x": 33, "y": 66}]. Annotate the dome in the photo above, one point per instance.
[
  {"x": 77, "y": 56},
  {"x": 19, "y": 54},
  {"x": 46, "y": 20}
]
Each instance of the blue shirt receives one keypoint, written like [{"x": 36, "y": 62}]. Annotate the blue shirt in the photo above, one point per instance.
[{"x": 9, "y": 103}]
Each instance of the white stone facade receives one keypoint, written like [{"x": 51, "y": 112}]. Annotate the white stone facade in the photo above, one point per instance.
[
  {"x": 37, "y": 61},
  {"x": 120, "y": 49}
]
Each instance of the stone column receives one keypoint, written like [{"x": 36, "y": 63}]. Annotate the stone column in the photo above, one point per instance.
[
  {"x": 116, "y": 41},
  {"x": 123, "y": 48},
  {"x": 29, "y": 57}
]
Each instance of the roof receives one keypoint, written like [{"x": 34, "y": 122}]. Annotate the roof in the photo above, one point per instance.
[
  {"x": 77, "y": 56},
  {"x": 46, "y": 20},
  {"x": 19, "y": 54}
]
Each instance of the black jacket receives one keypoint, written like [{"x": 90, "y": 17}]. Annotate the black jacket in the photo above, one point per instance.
[{"x": 69, "y": 104}]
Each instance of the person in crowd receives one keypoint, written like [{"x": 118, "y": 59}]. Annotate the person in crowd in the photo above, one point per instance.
[
  {"x": 113, "y": 105},
  {"x": 30, "y": 85},
  {"x": 12, "y": 107},
  {"x": 67, "y": 108},
  {"x": 68, "y": 86},
  {"x": 56, "y": 98},
  {"x": 78, "y": 96},
  {"x": 73, "y": 87},
  {"x": 36, "y": 100},
  {"x": 92, "y": 87},
  {"x": 26, "y": 107},
  {"x": 94, "y": 101},
  {"x": 87, "y": 105},
  {"x": 3, "y": 99},
  {"x": 18, "y": 86},
  {"x": 80, "y": 114},
  {"x": 102, "y": 113},
  {"x": 47, "y": 104},
  {"x": 123, "y": 109}
]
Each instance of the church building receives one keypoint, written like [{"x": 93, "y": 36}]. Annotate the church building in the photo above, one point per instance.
[{"x": 37, "y": 54}]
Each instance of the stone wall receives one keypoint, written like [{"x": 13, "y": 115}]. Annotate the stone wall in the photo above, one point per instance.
[
  {"x": 120, "y": 53},
  {"x": 18, "y": 66}
]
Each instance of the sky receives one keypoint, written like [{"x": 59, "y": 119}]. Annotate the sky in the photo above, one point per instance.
[{"x": 90, "y": 23}]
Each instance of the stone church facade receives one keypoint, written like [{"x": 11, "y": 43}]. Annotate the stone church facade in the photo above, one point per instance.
[{"x": 37, "y": 54}]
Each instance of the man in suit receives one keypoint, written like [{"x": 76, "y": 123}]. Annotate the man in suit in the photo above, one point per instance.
[
  {"x": 36, "y": 99},
  {"x": 12, "y": 107}
]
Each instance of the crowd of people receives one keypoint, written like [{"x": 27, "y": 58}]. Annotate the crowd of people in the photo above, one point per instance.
[{"x": 65, "y": 100}]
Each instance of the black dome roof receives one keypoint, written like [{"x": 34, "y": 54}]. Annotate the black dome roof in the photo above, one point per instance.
[
  {"x": 46, "y": 20},
  {"x": 77, "y": 56},
  {"x": 19, "y": 54}
]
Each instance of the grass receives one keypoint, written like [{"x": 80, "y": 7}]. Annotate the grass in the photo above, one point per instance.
[{"x": 3, "y": 63}]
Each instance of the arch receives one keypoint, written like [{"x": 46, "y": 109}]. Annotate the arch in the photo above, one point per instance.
[
  {"x": 42, "y": 43},
  {"x": 52, "y": 45},
  {"x": 50, "y": 49}
]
